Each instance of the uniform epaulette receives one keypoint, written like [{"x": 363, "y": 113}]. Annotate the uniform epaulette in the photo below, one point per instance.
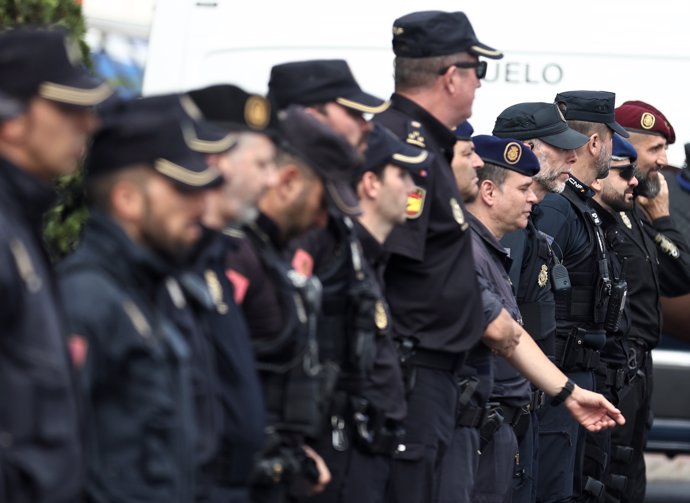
[
  {"x": 415, "y": 134},
  {"x": 234, "y": 232}
]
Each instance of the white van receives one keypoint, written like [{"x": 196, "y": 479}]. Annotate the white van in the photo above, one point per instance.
[{"x": 638, "y": 49}]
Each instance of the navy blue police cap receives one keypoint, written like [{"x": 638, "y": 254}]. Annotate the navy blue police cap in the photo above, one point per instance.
[
  {"x": 319, "y": 81},
  {"x": 384, "y": 148},
  {"x": 436, "y": 33},
  {"x": 623, "y": 149},
  {"x": 507, "y": 153},
  {"x": 143, "y": 131},
  {"x": 591, "y": 106},
  {"x": 232, "y": 108},
  {"x": 545, "y": 121},
  {"x": 45, "y": 62},
  {"x": 331, "y": 157},
  {"x": 464, "y": 131}
]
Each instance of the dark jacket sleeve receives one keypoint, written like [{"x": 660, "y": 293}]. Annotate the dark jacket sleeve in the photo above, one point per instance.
[{"x": 674, "y": 258}]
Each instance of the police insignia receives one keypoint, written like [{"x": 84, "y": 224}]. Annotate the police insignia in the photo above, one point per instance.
[
  {"x": 257, "y": 112},
  {"x": 414, "y": 134},
  {"x": 647, "y": 120},
  {"x": 415, "y": 203},
  {"x": 543, "y": 276},
  {"x": 667, "y": 246},
  {"x": 512, "y": 153},
  {"x": 458, "y": 215},
  {"x": 22, "y": 259},
  {"x": 380, "y": 316},
  {"x": 626, "y": 220},
  {"x": 216, "y": 291}
]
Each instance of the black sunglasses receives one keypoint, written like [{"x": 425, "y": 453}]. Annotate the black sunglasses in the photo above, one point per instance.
[
  {"x": 626, "y": 172},
  {"x": 479, "y": 67}
]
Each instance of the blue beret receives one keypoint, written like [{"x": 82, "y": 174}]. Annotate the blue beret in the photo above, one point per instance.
[
  {"x": 506, "y": 153},
  {"x": 622, "y": 149},
  {"x": 464, "y": 131}
]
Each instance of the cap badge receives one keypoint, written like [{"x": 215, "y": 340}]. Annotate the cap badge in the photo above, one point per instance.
[
  {"x": 380, "y": 316},
  {"x": 458, "y": 215},
  {"x": 257, "y": 112},
  {"x": 512, "y": 153},
  {"x": 647, "y": 120},
  {"x": 397, "y": 30},
  {"x": 543, "y": 276},
  {"x": 415, "y": 203},
  {"x": 666, "y": 245},
  {"x": 626, "y": 219}
]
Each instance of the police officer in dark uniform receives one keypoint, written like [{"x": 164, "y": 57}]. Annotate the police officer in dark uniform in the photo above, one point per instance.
[
  {"x": 657, "y": 255},
  {"x": 435, "y": 306},
  {"x": 373, "y": 412},
  {"x": 281, "y": 304},
  {"x": 45, "y": 120},
  {"x": 501, "y": 205},
  {"x": 581, "y": 311},
  {"x": 146, "y": 190},
  {"x": 532, "y": 269}
]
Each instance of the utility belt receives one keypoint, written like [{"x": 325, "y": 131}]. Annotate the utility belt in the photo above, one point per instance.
[
  {"x": 355, "y": 420},
  {"x": 519, "y": 417},
  {"x": 638, "y": 353},
  {"x": 613, "y": 378},
  {"x": 411, "y": 354},
  {"x": 578, "y": 349}
]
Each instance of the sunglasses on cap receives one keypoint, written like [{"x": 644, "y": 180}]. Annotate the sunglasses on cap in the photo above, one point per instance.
[
  {"x": 626, "y": 172},
  {"x": 479, "y": 67}
]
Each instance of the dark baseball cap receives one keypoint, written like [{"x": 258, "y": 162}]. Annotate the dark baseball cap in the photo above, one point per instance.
[
  {"x": 384, "y": 148},
  {"x": 320, "y": 81},
  {"x": 36, "y": 61},
  {"x": 545, "y": 121},
  {"x": 591, "y": 106},
  {"x": 641, "y": 117},
  {"x": 508, "y": 153},
  {"x": 436, "y": 33},
  {"x": 233, "y": 109},
  {"x": 623, "y": 149},
  {"x": 143, "y": 131},
  {"x": 332, "y": 158}
]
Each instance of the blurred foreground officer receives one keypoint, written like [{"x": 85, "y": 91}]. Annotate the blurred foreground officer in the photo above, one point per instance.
[
  {"x": 466, "y": 163},
  {"x": 657, "y": 256},
  {"x": 248, "y": 167},
  {"x": 374, "y": 411},
  {"x": 282, "y": 305},
  {"x": 44, "y": 124},
  {"x": 536, "y": 271},
  {"x": 430, "y": 284},
  {"x": 146, "y": 191}
]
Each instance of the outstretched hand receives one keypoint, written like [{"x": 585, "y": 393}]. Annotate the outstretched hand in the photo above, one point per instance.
[{"x": 592, "y": 410}]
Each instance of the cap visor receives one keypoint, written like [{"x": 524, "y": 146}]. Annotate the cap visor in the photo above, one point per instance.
[
  {"x": 341, "y": 195},
  {"x": 412, "y": 160},
  {"x": 363, "y": 102},
  {"x": 618, "y": 129},
  {"x": 480, "y": 49},
  {"x": 567, "y": 140},
  {"x": 80, "y": 90},
  {"x": 189, "y": 174}
]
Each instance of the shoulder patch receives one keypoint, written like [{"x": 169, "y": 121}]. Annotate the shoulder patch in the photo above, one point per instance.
[
  {"x": 303, "y": 262},
  {"x": 667, "y": 246},
  {"x": 415, "y": 135},
  {"x": 240, "y": 284},
  {"x": 415, "y": 203}
]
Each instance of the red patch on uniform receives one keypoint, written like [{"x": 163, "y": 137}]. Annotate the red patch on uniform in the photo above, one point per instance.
[
  {"x": 78, "y": 348},
  {"x": 303, "y": 262},
  {"x": 240, "y": 284}
]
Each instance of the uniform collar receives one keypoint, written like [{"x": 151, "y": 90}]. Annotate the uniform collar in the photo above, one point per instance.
[
  {"x": 373, "y": 250},
  {"x": 270, "y": 229},
  {"x": 489, "y": 239},
  {"x": 28, "y": 195},
  {"x": 432, "y": 126},
  {"x": 578, "y": 188}
]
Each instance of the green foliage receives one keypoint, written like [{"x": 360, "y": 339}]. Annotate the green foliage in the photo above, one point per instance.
[{"x": 63, "y": 222}]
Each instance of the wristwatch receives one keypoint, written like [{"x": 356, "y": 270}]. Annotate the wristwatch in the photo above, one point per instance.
[{"x": 567, "y": 390}]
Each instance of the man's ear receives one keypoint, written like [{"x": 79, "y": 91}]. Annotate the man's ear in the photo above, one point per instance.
[
  {"x": 369, "y": 185},
  {"x": 597, "y": 185},
  {"x": 127, "y": 199},
  {"x": 487, "y": 192}
]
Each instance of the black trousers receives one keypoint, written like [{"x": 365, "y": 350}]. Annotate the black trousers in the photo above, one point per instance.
[
  {"x": 494, "y": 480},
  {"x": 429, "y": 427},
  {"x": 635, "y": 405}
]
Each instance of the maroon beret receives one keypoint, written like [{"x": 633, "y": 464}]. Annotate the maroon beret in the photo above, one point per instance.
[{"x": 640, "y": 117}]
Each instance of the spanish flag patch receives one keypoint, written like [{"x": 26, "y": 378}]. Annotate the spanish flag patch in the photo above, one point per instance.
[{"x": 415, "y": 203}]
